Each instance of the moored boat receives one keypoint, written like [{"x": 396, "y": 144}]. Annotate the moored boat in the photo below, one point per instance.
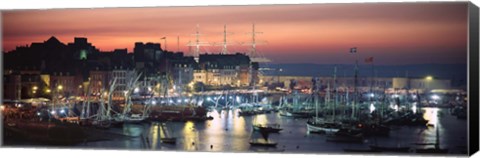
[
  {"x": 273, "y": 128},
  {"x": 262, "y": 142}
]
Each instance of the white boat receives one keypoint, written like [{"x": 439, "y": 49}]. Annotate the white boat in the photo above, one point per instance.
[
  {"x": 318, "y": 125},
  {"x": 322, "y": 127}
]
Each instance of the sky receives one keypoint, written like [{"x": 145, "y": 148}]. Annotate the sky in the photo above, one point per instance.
[{"x": 391, "y": 33}]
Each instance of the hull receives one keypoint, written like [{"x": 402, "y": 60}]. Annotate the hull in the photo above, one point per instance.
[
  {"x": 296, "y": 114},
  {"x": 178, "y": 113},
  {"x": 267, "y": 129},
  {"x": 322, "y": 128},
  {"x": 169, "y": 140},
  {"x": 45, "y": 132},
  {"x": 262, "y": 142}
]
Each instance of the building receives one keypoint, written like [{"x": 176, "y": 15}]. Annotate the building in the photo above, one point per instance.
[
  {"x": 81, "y": 49},
  {"x": 427, "y": 83},
  {"x": 224, "y": 69},
  {"x": 123, "y": 75},
  {"x": 363, "y": 83},
  {"x": 62, "y": 84},
  {"x": 99, "y": 80},
  {"x": 12, "y": 86}
]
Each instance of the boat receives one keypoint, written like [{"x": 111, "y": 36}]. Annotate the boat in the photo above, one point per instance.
[
  {"x": 296, "y": 114},
  {"x": 178, "y": 113},
  {"x": 262, "y": 142},
  {"x": 38, "y": 126},
  {"x": 246, "y": 110},
  {"x": 169, "y": 140},
  {"x": 273, "y": 128},
  {"x": 317, "y": 125},
  {"x": 134, "y": 119},
  {"x": 325, "y": 127}
]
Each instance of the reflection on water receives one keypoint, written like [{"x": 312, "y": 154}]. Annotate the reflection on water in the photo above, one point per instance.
[
  {"x": 155, "y": 133},
  {"x": 431, "y": 114},
  {"x": 232, "y": 133},
  {"x": 190, "y": 136},
  {"x": 260, "y": 119}
]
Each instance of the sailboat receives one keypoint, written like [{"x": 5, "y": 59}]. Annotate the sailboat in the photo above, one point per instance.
[
  {"x": 184, "y": 110},
  {"x": 322, "y": 126},
  {"x": 263, "y": 142},
  {"x": 266, "y": 128},
  {"x": 135, "y": 118},
  {"x": 295, "y": 109}
]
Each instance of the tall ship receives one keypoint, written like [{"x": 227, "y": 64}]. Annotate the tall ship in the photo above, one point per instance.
[{"x": 171, "y": 107}]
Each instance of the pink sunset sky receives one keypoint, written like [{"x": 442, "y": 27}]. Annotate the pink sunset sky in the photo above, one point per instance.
[{"x": 392, "y": 33}]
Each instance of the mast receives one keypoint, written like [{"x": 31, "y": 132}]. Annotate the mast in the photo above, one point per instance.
[
  {"x": 355, "y": 89},
  {"x": 88, "y": 100},
  {"x": 197, "y": 42},
  {"x": 254, "y": 49},
  {"x": 224, "y": 50},
  {"x": 327, "y": 98},
  {"x": 110, "y": 93},
  {"x": 316, "y": 100},
  {"x": 336, "y": 91}
]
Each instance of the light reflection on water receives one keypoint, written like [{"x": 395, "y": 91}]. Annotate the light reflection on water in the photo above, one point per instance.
[
  {"x": 229, "y": 132},
  {"x": 190, "y": 136},
  {"x": 431, "y": 114}
]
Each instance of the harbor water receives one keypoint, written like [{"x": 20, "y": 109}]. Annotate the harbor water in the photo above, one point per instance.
[{"x": 228, "y": 132}]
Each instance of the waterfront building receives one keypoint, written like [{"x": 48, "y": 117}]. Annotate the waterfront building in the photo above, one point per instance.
[
  {"x": 363, "y": 83},
  {"x": 62, "y": 83},
  {"x": 224, "y": 69},
  {"x": 123, "y": 74}
]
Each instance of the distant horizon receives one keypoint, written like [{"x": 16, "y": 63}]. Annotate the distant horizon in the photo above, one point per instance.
[{"x": 392, "y": 33}]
